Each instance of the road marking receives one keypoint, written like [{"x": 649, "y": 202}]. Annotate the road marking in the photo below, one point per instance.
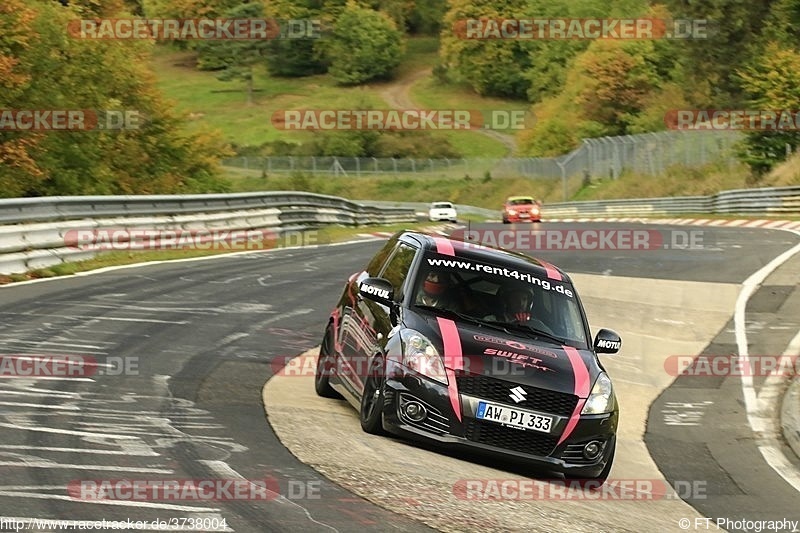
[
  {"x": 42, "y": 406},
  {"x": 123, "y": 503},
  {"x": 67, "y": 431},
  {"x": 49, "y": 343},
  {"x": 103, "y": 468},
  {"x": 760, "y": 425},
  {"x": 47, "y": 378},
  {"x": 225, "y": 471},
  {"x": 96, "y": 317},
  {"x": 140, "y": 453}
]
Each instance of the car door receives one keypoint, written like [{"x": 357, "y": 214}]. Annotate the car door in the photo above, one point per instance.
[{"x": 371, "y": 320}]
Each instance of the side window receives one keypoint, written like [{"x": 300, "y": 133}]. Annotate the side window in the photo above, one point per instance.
[
  {"x": 374, "y": 267},
  {"x": 397, "y": 268}
]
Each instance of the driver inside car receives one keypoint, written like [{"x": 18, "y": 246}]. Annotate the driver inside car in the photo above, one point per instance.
[
  {"x": 517, "y": 304},
  {"x": 437, "y": 291}
]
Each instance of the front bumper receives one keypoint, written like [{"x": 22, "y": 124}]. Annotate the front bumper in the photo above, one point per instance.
[
  {"x": 532, "y": 448},
  {"x": 519, "y": 217}
]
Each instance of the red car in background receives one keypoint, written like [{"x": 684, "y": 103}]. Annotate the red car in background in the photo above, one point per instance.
[{"x": 522, "y": 209}]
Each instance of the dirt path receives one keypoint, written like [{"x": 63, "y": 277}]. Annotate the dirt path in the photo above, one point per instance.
[{"x": 398, "y": 96}]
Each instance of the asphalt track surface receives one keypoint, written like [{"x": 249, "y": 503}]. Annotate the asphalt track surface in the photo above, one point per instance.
[{"x": 188, "y": 347}]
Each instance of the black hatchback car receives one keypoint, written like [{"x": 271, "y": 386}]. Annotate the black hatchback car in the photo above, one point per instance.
[{"x": 473, "y": 347}]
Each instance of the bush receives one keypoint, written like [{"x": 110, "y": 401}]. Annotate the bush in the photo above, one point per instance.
[{"x": 365, "y": 45}]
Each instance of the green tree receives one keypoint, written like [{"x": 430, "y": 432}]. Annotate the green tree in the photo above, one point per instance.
[
  {"x": 771, "y": 83},
  {"x": 426, "y": 17},
  {"x": 235, "y": 57},
  {"x": 189, "y": 9},
  {"x": 491, "y": 67},
  {"x": 734, "y": 27},
  {"x": 365, "y": 45},
  {"x": 299, "y": 57}
]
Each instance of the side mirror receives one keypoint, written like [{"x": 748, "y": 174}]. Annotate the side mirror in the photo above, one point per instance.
[
  {"x": 378, "y": 290},
  {"x": 607, "y": 341}
]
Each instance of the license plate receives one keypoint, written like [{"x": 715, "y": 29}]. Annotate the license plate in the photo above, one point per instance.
[
  {"x": 524, "y": 215},
  {"x": 502, "y": 414}
]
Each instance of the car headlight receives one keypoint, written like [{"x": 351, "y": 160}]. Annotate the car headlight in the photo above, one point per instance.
[
  {"x": 512, "y": 211},
  {"x": 601, "y": 399},
  {"x": 420, "y": 355}
]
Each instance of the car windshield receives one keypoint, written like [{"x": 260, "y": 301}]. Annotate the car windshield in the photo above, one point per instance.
[
  {"x": 442, "y": 205},
  {"x": 516, "y": 298},
  {"x": 521, "y": 201}
]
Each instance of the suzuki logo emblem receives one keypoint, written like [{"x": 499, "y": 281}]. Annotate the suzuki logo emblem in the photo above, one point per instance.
[{"x": 518, "y": 394}]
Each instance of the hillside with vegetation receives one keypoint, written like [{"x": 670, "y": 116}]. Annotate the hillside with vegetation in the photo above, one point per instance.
[{"x": 205, "y": 100}]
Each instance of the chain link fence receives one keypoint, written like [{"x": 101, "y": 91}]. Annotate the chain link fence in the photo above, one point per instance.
[{"x": 648, "y": 154}]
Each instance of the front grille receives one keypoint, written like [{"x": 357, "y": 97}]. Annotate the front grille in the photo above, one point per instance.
[
  {"x": 497, "y": 390},
  {"x": 517, "y": 440}
]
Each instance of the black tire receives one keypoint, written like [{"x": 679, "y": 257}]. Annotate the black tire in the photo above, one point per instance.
[
  {"x": 371, "y": 412},
  {"x": 324, "y": 364}
]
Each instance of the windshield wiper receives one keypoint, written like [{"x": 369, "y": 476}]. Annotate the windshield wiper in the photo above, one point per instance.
[
  {"x": 469, "y": 318},
  {"x": 519, "y": 326}
]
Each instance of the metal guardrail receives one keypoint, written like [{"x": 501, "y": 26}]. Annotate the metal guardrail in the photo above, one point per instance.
[
  {"x": 768, "y": 201},
  {"x": 35, "y": 230},
  {"x": 15, "y": 210}
]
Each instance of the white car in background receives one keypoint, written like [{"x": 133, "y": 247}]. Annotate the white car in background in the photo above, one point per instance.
[{"x": 442, "y": 211}]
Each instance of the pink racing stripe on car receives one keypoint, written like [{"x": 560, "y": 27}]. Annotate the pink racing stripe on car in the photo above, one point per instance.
[
  {"x": 552, "y": 272},
  {"x": 444, "y": 246},
  {"x": 453, "y": 359},
  {"x": 581, "y": 375}
]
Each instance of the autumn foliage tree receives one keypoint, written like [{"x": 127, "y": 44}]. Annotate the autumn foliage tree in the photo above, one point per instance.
[{"x": 44, "y": 68}]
